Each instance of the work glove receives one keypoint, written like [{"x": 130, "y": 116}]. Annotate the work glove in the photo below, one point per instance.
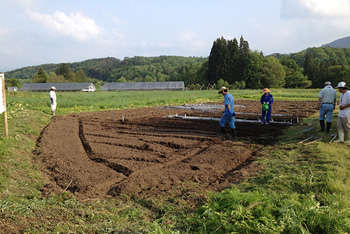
[{"x": 231, "y": 113}]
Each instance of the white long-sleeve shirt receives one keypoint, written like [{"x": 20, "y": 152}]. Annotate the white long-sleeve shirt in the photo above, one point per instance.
[
  {"x": 344, "y": 100},
  {"x": 52, "y": 97}
]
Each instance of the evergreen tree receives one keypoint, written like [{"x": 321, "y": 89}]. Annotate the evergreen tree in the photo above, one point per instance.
[
  {"x": 233, "y": 61},
  {"x": 310, "y": 70},
  {"x": 244, "y": 53},
  {"x": 217, "y": 62},
  {"x": 41, "y": 77}
]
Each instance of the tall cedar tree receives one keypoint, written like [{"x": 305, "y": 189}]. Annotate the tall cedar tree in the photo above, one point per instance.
[
  {"x": 311, "y": 70},
  {"x": 227, "y": 60},
  {"x": 244, "y": 53},
  {"x": 217, "y": 62},
  {"x": 233, "y": 61}
]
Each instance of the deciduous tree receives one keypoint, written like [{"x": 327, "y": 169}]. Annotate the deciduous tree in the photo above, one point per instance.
[{"x": 41, "y": 77}]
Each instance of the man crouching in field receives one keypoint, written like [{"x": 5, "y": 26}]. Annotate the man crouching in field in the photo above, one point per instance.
[{"x": 229, "y": 114}]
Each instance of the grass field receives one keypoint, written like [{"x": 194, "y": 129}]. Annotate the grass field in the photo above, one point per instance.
[
  {"x": 304, "y": 189},
  {"x": 76, "y": 102}
]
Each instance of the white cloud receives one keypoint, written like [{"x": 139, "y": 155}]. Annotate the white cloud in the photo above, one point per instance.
[
  {"x": 75, "y": 25},
  {"x": 191, "y": 39},
  {"x": 314, "y": 22},
  {"x": 334, "y": 8},
  {"x": 315, "y": 8}
]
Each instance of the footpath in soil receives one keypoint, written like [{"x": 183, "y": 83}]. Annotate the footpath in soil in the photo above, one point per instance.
[{"x": 96, "y": 154}]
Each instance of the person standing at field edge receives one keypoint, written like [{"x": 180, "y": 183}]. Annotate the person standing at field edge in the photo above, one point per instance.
[
  {"x": 327, "y": 100},
  {"x": 266, "y": 100},
  {"x": 229, "y": 114},
  {"x": 343, "y": 122},
  {"x": 53, "y": 102}
]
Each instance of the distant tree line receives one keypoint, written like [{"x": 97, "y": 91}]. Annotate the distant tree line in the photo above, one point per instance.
[
  {"x": 162, "y": 68},
  {"x": 61, "y": 75},
  {"x": 230, "y": 63}
]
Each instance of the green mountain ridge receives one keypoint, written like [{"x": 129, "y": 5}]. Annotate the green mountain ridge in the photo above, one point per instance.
[
  {"x": 161, "y": 68},
  {"x": 339, "y": 43}
]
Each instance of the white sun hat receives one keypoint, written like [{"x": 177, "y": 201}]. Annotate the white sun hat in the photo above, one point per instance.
[{"x": 341, "y": 85}]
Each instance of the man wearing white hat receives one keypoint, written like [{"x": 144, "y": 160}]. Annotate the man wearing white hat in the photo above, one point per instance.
[
  {"x": 343, "y": 123},
  {"x": 229, "y": 114},
  {"x": 53, "y": 102},
  {"x": 326, "y": 103}
]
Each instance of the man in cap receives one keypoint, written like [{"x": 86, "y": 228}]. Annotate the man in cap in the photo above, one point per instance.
[
  {"x": 53, "y": 102},
  {"x": 326, "y": 103},
  {"x": 229, "y": 114},
  {"x": 343, "y": 123}
]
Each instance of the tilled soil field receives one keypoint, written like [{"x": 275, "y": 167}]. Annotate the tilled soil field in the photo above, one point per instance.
[{"x": 140, "y": 152}]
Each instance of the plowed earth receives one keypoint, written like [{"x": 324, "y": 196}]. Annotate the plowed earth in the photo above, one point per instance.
[{"x": 96, "y": 155}]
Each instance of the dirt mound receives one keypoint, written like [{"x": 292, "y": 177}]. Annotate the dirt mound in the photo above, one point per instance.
[{"x": 97, "y": 154}]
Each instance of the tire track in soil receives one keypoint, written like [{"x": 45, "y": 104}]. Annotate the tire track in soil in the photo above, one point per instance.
[{"x": 147, "y": 154}]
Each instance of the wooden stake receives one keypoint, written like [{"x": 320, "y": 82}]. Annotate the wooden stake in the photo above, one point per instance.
[
  {"x": 312, "y": 141},
  {"x": 2, "y": 76},
  {"x": 309, "y": 138},
  {"x": 68, "y": 186}
]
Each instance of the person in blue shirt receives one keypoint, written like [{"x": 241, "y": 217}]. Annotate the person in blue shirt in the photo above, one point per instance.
[
  {"x": 229, "y": 114},
  {"x": 266, "y": 100}
]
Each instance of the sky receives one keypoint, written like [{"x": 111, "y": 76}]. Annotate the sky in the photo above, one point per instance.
[{"x": 35, "y": 32}]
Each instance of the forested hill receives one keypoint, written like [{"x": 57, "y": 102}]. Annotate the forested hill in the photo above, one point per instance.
[
  {"x": 340, "y": 43},
  {"x": 161, "y": 68}
]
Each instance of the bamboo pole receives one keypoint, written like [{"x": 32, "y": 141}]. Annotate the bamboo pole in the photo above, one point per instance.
[{"x": 2, "y": 76}]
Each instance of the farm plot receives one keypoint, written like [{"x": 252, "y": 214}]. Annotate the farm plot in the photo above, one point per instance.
[{"x": 141, "y": 152}]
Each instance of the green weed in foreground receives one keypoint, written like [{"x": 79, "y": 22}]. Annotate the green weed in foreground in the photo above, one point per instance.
[
  {"x": 304, "y": 189},
  {"x": 263, "y": 212}
]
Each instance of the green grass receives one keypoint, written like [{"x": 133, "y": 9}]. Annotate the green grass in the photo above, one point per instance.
[
  {"x": 304, "y": 189},
  {"x": 79, "y": 101}
]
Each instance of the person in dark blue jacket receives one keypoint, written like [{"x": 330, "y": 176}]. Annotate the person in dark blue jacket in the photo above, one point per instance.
[{"x": 266, "y": 100}]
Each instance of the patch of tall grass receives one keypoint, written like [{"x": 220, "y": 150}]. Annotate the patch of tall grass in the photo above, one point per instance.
[{"x": 303, "y": 189}]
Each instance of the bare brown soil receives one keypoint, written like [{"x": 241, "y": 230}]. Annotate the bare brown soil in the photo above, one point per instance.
[{"x": 96, "y": 155}]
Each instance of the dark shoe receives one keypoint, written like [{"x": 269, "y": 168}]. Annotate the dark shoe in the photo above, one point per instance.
[
  {"x": 222, "y": 131},
  {"x": 234, "y": 133},
  {"x": 322, "y": 126},
  {"x": 328, "y": 127}
]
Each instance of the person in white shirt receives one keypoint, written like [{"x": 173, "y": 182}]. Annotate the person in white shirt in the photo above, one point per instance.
[
  {"x": 343, "y": 123},
  {"x": 53, "y": 100}
]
